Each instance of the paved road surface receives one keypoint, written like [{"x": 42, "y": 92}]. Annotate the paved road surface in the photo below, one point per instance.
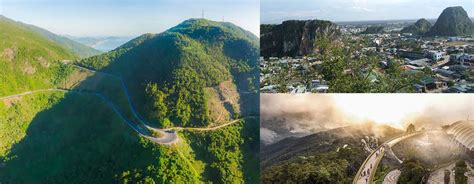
[
  {"x": 392, "y": 177},
  {"x": 370, "y": 165},
  {"x": 168, "y": 137},
  {"x": 437, "y": 177}
]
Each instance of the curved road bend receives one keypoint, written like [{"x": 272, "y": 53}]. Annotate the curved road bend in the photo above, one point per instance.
[
  {"x": 438, "y": 175},
  {"x": 167, "y": 139},
  {"x": 392, "y": 177},
  {"x": 167, "y": 134}
]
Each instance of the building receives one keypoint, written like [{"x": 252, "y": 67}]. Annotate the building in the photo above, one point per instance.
[
  {"x": 462, "y": 133},
  {"x": 435, "y": 55},
  {"x": 411, "y": 55}
]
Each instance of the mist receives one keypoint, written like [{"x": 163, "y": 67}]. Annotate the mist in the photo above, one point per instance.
[{"x": 286, "y": 115}]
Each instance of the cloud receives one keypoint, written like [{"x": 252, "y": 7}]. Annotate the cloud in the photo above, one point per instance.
[
  {"x": 267, "y": 136},
  {"x": 298, "y": 115}
]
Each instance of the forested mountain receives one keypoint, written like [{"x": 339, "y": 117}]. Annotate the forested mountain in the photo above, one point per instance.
[
  {"x": 453, "y": 21},
  {"x": 74, "y": 47},
  {"x": 28, "y": 60},
  {"x": 200, "y": 73},
  {"x": 181, "y": 62}
]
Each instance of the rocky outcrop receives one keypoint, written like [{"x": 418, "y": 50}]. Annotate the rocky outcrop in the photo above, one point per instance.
[
  {"x": 419, "y": 28},
  {"x": 454, "y": 21},
  {"x": 295, "y": 37}
]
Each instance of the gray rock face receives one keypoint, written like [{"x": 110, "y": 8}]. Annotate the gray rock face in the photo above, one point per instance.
[
  {"x": 295, "y": 37},
  {"x": 454, "y": 21}
]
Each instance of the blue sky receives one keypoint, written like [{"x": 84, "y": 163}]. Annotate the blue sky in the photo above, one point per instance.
[
  {"x": 275, "y": 11},
  {"x": 127, "y": 17}
]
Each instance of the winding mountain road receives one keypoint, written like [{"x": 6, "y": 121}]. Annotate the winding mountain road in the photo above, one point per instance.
[{"x": 169, "y": 136}]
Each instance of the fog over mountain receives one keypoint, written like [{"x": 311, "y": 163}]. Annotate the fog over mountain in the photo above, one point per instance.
[{"x": 286, "y": 115}]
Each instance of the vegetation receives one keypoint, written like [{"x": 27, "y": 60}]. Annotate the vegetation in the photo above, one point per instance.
[
  {"x": 100, "y": 152},
  {"x": 28, "y": 60},
  {"x": 328, "y": 167},
  {"x": 412, "y": 172},
  {"x": 381, "y": 172},
  {"x": 460, "y": 169},
  {"x": 453, "y": 21},
  {"x": 229, "y": 152},
  {"x": 347, "y": 74},
  {"x": 419, "y": 28},
  {"x": 78, "y": 49},
  {"x": 185, "y": 59},
  {"x": 77, "y": 138}
]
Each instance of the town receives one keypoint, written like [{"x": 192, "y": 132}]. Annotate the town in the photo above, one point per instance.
[{"x": 443, "y": 64}]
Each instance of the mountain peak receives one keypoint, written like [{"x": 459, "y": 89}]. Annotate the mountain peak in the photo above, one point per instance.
[{"x": 453, "y": 21}]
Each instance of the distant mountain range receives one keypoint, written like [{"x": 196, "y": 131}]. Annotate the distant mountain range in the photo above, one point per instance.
[
  {"x": 104, "y": 44},
  {"x": 73, "y": 46}
]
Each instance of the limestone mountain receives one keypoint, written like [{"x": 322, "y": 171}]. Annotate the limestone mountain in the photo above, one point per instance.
[
  {"x": 454, "y": 21},
  {"x": 295, "y": 37},
  {"x": 419, "y": 28}
]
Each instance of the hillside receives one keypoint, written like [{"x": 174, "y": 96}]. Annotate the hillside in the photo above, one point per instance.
[
  {"x": 295, "y": 37},
  {"x": 28, "y": 59},
  {"x": 453, "y": 21},
  {"x": 74, "y": 47},
  {"x": 169, "y": 72},
  {"x": 198, "y": 74},
  {"x": 331, "y": 156},
  {"x": 419, "y": 28}
]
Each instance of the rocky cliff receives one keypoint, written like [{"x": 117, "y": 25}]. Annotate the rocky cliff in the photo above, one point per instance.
[
  {"x": 295, "y": 37},
  {"x": 454, "y": 21}
]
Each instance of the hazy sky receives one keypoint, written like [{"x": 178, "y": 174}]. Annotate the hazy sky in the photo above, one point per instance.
[
  {"x": 275, "y": 11},
  {"x": 127, "y": 17}
]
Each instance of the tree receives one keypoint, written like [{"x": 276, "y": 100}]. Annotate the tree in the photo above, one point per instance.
[{"x": 160, "y": 108}]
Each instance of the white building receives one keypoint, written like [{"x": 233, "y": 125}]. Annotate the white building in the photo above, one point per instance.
[{"x": 435, "y": 55}]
